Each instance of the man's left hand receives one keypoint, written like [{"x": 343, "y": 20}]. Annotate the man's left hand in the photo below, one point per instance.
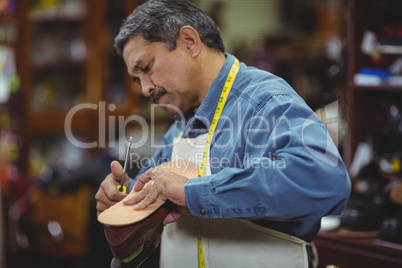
[{"x": 163, "y": 182}]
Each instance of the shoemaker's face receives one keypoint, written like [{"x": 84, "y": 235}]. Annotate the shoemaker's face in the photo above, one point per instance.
[{"x": 167, "y": 77}]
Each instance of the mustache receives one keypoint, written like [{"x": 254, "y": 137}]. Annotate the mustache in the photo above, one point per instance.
[{"x": 157, "y": 94}]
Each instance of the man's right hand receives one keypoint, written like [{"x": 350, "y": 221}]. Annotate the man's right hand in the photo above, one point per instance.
[{"x": 107, "y": 194}]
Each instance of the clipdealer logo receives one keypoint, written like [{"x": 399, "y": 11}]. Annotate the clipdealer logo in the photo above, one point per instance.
[
  {"x": 318, "y": 143},
  {"x": 101, "y": 143},
  {"x": 120, "y": 123}
]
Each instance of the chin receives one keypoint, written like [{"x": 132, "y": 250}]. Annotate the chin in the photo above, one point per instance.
[
  {"x": 174, "y": 111},
  {"x": 171, "y": 109}
]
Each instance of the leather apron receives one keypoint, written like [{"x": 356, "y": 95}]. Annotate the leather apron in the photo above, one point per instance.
[{"x": 225, "y": 242}]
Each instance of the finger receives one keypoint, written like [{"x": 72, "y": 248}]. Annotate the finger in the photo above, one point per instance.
[
  {"x": 100, "y": 207},
  {"x": 114, "y": 195},
  {"x": 172, "y": 217},
  {"x": 149, "y": 198},
  {"x": 102, "y": 198},
  {"x": 143, "y": 179},
  {"x": 138, "y": 197},
  {"x": 108, "y": 193},
  {"x": 103, "y": 202}
]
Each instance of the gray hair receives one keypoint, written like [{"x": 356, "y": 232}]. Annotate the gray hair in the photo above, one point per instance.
[{"x": 161, "y": 21}]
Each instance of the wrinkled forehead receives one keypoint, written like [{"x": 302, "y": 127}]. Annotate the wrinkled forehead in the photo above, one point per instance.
[
  {"x": 136, "y": 49},
  {"x": 134, "y": 45}
]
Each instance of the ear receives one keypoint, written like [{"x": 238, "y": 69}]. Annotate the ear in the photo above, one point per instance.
[{"x": 190, "y": 40}]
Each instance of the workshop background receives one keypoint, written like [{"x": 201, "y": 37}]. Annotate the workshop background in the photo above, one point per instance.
[{"x": 67, "y": 106}]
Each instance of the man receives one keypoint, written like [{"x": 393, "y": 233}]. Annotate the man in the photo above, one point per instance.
[{"x": 268, "y": 171}]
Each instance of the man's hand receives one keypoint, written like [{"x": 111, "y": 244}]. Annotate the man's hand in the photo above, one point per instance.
[
  {"x": 163, "y": 182},
  {"x": 108, "y": 194}
]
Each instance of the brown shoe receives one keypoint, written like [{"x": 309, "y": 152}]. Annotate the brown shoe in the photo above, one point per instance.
[{"x": 138, "y": 238}]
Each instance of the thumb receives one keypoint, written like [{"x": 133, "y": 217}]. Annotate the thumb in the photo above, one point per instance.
[{"x": 117, "y": 170}]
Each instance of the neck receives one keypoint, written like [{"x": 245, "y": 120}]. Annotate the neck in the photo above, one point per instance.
[{"x": 211, "y": 64}]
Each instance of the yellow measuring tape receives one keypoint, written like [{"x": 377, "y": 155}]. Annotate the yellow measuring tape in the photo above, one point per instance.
[{"x": 222, "y": 100}]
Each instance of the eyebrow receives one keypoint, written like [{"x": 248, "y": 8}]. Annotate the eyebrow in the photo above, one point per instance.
[{"x": 137, "y": 65}]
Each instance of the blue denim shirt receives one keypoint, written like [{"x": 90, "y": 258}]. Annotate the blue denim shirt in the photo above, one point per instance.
[{"x": 271, "y": 157}]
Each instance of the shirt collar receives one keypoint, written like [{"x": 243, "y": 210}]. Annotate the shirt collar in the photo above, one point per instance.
[{"x": 206, "y": 111}]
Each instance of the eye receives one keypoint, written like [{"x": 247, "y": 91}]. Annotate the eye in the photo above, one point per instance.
[
  {"x": 148, "y": 67},
  {"x": 136, "y": 80}
]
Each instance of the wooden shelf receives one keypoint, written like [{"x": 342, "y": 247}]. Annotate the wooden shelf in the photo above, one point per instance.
[
  {"x": 53, "y": 121},
  {"x": 366, "y": 102},
  {"x": 58, "y": 19},
  {"x": 356, "y": 252},
  {"x": 57, "y": 65},
  {"x": 380, "y": 88}
]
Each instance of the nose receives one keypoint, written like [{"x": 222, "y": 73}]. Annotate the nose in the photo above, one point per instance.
[{"x": 147, "y": 86}]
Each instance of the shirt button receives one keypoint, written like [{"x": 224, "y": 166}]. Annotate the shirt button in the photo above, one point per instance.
[{"x": 202, "y": 211}]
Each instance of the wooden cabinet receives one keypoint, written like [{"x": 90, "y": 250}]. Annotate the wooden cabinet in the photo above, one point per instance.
[
  {"x": 374, "y": 35},
  {"x": 356, "y": 252},
  {"x": 369, "y": 101},
  {"x": 72, "y": 82},
  {"x": 71, "y": 78}
]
